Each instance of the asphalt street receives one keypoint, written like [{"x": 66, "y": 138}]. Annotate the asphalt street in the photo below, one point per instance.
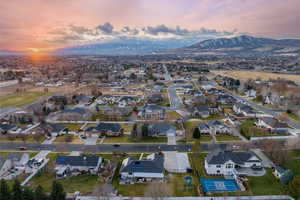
[{"x": 95, "y": 148}]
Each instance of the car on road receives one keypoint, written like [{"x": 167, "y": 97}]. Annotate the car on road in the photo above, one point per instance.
[
  {"x": 22, "y": 148},
  {"x": 116, "y": 145}
]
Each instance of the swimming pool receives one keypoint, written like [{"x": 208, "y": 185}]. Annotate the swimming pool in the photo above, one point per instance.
[{"x": 219, "y": 185}]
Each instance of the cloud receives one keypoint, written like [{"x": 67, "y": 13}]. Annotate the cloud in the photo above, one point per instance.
[
  {"x": 106, "y": 32},
  {"x": 106, "y": 28}
]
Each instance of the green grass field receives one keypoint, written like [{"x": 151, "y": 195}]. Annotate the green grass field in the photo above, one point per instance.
[{"x": 22, "y": 99}]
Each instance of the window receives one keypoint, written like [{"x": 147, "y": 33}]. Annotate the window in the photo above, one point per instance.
[
  {"x": 218, "y": 166},
  {"x": 229, "y": 166}
]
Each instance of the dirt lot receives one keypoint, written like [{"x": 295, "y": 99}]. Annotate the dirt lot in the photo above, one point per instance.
[{"x": 244, "y": 75}]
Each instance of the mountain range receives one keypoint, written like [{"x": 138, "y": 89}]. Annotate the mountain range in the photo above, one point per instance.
[{"x": 243, "y": 44}]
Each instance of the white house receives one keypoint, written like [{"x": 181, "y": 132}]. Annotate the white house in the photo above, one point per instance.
[{"x": 229, "y": 163}]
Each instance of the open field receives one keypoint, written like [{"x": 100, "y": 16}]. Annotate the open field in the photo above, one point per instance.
[
  {"x": 244, "y": 75},
  {"x": 22, "y": 99}
]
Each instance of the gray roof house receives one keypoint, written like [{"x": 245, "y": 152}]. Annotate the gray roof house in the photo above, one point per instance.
[
  {"x": 200, "y": 111},
  {"x": 161, "y": 130},
  {"x": 5, "y": 127},
  {"x": 242, "y": 109},
  {"x": 73, "y": 114},
  {"x": 214, "y": 127},
  {"x": 220, "y": 162},
  {"x": 108, "y": 129},
  {"x": 152, "y": 111},
  {"x": 71, "y": 165},
  {"x": 150, "y": 169}
]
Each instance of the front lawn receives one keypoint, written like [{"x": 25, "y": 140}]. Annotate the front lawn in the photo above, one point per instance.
[
  {"x": 68, "y": 138},
  {"x": 72, "y": 127},
  {"x": 173, "y": 115},
  {"x": 221, "y": 138},
  {"x": 293, "y": 116},
  {"x": 128, "y": 139},
  {"x": 22, "y": 99},
  {"x": 83, "y": 183},
  {"x": 248, "y": 129}
]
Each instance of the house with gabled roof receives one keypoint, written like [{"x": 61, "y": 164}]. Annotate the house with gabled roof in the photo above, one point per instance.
[
  {"x": 214, "y": 127},
  {"x": 150, "y": 169},
  {"x": 152, "y": 111},
  {"x": 71, "y": 165},
  {"x": 243, "y": 109},
  {"x": 107, "y": 129},
  {"x": 227, "y": 163},
  {"x": 161, "y": 130}
]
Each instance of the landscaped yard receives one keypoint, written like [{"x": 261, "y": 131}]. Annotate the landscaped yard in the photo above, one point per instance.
[
  {"x": 68, "y": 138},
  {"x": 84, "y": 183},
  {"x": 173, "y": 115},
  {"x": 30, "y": 138},
  {"x": 227, "y": 138},
  {"x": 128, "y": 139},
  {"x": 73, "y": 127},
  {"x": 22, "y": 99},
  {"x": 248, "y": 129},
  {"x": 265, "y": 185},
  {"x": 190, "y": 127},
  {"x": 293, "y": 116}
]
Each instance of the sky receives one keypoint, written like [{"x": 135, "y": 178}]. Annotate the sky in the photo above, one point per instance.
[{"x": 44, "y": 25}]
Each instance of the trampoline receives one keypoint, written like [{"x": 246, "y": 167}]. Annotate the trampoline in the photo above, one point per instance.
[{"x": 219, "y": 185}]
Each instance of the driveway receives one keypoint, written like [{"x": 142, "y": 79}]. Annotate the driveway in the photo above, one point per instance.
[{"x": 91, "y": 141}]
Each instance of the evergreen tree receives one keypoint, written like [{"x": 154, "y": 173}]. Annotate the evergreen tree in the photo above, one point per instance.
[
  {"x": 17, "y": 193},
  {"x": 28, "y": 194},
  {"x": 39, "y": 194},
  {"x": 4, "y": 191},
  {"x": 134, "y": 132},
  {"x": 196, "y": 133},
  {"x": 145, "y": 130},
  {"x": 57, "y": 192}
]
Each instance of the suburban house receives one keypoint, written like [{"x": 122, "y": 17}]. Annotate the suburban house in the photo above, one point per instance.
[
  {"x": 83, "y": 99},
  {"x": 200, "y": 111},
  {"x": 73, "y": 114},
  {"x": 13, "y": 161},
  {"x": 229, "y": 163},
  {"x": 5, "y": 165},
  {"x": 6, "y": 128},
  {"x": 225, "y": 99},
  {"x": 127, "y": 100},
  {"x": 53, "y": 129},
  {"x": 19, "y": 160},
  {"x": 73, "y": 165},
  {"x": 161, "y": 130},
  {"x": 272, "y": 124},
  {"x": 104, "y": 129},
  {"x": 242, "y": 109},
  {"x": 150, "y": 169},
  {"x": 22, "y": 117},
  {"x": 251, "y": 93},
  {"x": 214, "y": 127},
  {"x": 152, "y": 111},
  {"x": 155, "y": 98}
]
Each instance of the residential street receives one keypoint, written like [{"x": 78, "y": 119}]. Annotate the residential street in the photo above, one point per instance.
[
  {"x": 290, "y": 122},
  {"x": 95, "y": 148}
]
